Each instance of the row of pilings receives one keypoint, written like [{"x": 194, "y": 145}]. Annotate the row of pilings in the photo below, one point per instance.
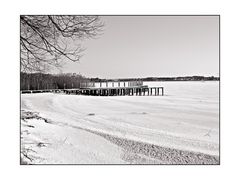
[{"x": 130, "y": 91}]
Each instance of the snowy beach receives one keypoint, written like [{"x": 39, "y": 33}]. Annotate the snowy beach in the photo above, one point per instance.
[{"x": 181, "y": 127}]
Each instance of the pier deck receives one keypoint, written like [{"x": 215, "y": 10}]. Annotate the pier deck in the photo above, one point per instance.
[{"x": 107, "y": 91}]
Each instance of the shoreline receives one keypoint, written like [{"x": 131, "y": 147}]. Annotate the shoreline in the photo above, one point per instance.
[{"x": 135, "y": 152}]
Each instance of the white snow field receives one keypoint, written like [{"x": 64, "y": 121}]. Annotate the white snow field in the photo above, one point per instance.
[{"x": 181, "y": 127}]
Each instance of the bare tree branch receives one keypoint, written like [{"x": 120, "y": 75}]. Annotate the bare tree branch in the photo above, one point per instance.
[{"x": 46, "y": 40}]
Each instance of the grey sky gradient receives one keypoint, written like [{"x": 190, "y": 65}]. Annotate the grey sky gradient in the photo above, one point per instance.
[{"x": 146, "y": 46}]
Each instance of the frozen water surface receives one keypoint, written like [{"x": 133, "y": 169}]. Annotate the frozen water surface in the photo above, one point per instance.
[{"x": 78, "y": 128}]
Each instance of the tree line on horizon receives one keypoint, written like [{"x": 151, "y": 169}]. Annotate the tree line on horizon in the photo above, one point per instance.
[
  {"x": 41, "y": 81},
  {"x": 180, "y": 78}
]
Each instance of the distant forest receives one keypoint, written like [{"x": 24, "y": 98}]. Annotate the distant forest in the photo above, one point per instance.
[
  {"x": 182, "y": 78},
  {"x": 40, "y": 81}
]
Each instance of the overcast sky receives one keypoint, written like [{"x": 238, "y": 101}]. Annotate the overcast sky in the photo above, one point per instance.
[{"x": 147, "y": 46}]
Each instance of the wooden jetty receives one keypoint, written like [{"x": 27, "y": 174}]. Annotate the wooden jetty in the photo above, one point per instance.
[
  {"x": 118, "y": 91},
  {"x": 127, "y": 90}
]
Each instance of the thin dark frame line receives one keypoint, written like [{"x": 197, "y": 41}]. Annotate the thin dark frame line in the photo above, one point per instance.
[
  {"x": 131, "y": 15},
  {"x": 142, "y": 15},
  {"x": 219, "y": 95}
]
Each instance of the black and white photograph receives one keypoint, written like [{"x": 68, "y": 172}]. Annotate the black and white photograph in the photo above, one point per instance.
[{"x": 119, "y": 89}]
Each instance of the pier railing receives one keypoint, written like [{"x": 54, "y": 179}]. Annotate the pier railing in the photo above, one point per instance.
[{"x": 119, "y": 84}]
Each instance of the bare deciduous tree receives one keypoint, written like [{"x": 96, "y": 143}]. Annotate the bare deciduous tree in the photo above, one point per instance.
[{"x": 46, "y": 40}]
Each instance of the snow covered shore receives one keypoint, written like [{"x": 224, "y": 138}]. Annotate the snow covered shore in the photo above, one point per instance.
[{"x": 179, "y": 128}]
